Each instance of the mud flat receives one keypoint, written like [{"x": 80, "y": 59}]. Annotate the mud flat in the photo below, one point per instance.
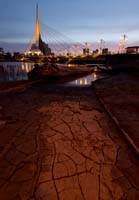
[
  {"x": 120, "y": 94},
  {"x": 58, "y": 142}
]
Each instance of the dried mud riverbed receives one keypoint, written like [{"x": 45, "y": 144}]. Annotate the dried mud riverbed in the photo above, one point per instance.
[
  {"x": 121, "y": 96},
  {"x": 57, "y": 142}
]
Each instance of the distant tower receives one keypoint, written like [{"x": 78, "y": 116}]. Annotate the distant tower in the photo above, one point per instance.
[
  {"x": 101, "y": 46},
  {"x": 122, "y": 43},
  {"x": 38, "y": 46},
  {"x": 86, "y": 50}
]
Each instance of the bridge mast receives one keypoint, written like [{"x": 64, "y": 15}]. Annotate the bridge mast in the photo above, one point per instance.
[
  {"x": 37, "y": 28},
  {"x": 38, "y": 46}
]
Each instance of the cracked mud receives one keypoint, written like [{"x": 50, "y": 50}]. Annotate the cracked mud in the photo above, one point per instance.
[{"x": 58, "y": 143}]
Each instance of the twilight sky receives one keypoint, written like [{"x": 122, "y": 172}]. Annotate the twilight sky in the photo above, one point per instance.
[{"x": 81, "y": 20}]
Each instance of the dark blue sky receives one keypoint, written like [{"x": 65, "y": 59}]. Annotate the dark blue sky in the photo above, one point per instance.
[{"x": 81, "y": 20}]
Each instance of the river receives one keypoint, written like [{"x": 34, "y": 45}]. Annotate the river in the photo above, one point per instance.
[
  {"x": 14, "y": 71},
  {"x": 17, "y": 71}
]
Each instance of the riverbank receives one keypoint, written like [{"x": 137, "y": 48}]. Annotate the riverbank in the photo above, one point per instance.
[
  {"x": 120, "y": 95},
  {"x": 14, "y": 86}
]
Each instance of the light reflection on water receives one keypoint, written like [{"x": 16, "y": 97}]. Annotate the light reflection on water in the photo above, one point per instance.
[
  {"x": 13, "y": 71},
  {"x": 87, "y": 80}
]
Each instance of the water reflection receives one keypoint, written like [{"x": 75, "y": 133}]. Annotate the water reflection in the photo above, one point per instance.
[
  {"x": 94, "y": 76},
  {"x": 14, "y": 71},
  {"x": 87, "y": 80}
]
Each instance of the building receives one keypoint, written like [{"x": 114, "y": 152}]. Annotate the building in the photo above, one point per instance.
[
  {"x": 132, "y": 50},
  {"x": 86, "y": 52},
  {"x": 1, "y": 51},
  {"x": 38, "y": 47},
  {"x": 105, "y": 51},
  {"x": 95, "y": 52}
]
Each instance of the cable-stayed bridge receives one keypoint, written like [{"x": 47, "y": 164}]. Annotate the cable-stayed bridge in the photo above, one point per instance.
[{"x": 55, "y": 43}]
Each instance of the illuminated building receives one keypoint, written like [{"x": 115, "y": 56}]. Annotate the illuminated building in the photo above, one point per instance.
[
  {"x": 85, "y": 52},
  {"x": 122, "y": 43}
]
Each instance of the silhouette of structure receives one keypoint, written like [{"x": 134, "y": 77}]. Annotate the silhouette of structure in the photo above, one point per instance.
[
  {"x": 38, "y": 47},
  {"x": 132, "y": 50}
]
